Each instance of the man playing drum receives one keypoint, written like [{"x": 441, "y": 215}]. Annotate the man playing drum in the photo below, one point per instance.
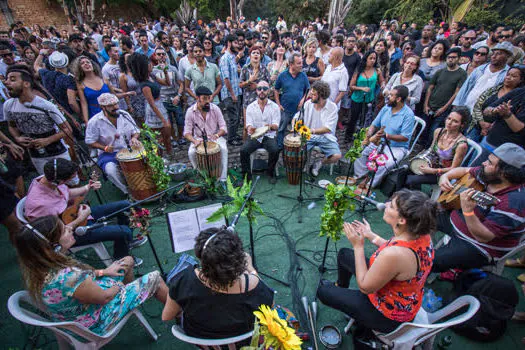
[
  {"x": 262, "y": 116},
  {"x": 205, "y": 120},
  {"x": 109, "y": 131},
  {"x": 320, "y": 115}
]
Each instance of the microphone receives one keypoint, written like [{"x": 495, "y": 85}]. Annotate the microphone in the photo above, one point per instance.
[
  {"x": 379, "y": 206},
  {"x": 127, "y": 144},
  {"x": 82, "y": 230},
  {"x": 29, "y": 105}
]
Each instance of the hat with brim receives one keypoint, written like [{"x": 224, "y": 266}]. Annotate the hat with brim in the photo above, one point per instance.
[
  {"x": 511, "y": 154},
  {"x": 504, "y": 46},
  {"x": 58, "y": 60},
  {"x": 202, "y": 90}
]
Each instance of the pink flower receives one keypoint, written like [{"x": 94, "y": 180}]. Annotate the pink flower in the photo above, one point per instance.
[
  {"x": 146, "y": 211},
  {"x": 381, "y": 159},
  {"x": 139, "y": 225},
  {"x": 372, "y": 166},
  {"x": 53, "y": 296},
  {"x": 373, "y": 155},
  {"x": 86, "y": 320}
]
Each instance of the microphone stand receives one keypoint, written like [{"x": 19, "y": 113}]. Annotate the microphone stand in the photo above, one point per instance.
[
  {"x": 132, "y": 205},
  {"x": 231, "y": 228},
  {"x": 82, "y": 151}
]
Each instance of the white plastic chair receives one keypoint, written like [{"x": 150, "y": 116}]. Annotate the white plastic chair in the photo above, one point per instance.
[
  {"x": 99, "y": 247},
  {"x": 64, "y": 339},
  {"x": 414, "y": 138},
  {"x": 178, "y": 332},
  {"x": 423, "y": 330},
  {"x": 499, "y": 263},
  {"x": 261, "y": 153},
  {"x": 318, "y": 149}
]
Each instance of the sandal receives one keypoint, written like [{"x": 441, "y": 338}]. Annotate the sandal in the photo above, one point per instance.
[{"x": 515, "y": 263}]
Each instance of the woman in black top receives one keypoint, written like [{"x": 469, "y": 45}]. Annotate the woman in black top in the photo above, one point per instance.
[
  {"x": 313, "y": 67},
  {"x": 219, "y": 298}
]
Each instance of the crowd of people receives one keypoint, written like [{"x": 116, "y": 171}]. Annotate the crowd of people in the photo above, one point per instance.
[{"x": 223, "y": 81}]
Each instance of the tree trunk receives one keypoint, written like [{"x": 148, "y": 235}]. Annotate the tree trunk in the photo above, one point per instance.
[
  {"x": 233, "y": 8},
  {"x": 337, "y": 12}
]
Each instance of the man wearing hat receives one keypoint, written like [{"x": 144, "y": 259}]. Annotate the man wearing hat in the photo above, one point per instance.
[
  {"x": 204, "y": 119},
  {"x": 57, "y": 81},
  {"x": 109, "y": 131},
  {"x": 76, "y": 43},
  {"x": 483, "y": 78},
  {"x": 481, "y": 234}
]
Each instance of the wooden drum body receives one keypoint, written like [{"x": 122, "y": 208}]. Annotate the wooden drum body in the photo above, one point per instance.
[
  {"x": 293, "y": 158},
  {"x": 137, "y": 173},
  {"x": 426, "y": 157},
  {"x": 214, "y": 158}
]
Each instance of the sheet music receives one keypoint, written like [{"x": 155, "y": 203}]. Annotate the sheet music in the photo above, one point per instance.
[
  {"x": 203, "y": 213},
  {"x": 185, "y": 225}
]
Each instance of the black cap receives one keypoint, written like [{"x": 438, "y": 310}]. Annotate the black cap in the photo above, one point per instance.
[
  {"x": 203, "y": 90},
  {"x": 75, "y": 36},
  {"x": 454, "y": 49}
]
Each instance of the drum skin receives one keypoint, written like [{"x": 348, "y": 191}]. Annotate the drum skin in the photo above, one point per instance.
[
  {"x": 293, "y": 158},
  {"x": 214, "y": 156},
  {"x": 137, "y": 173},
  {"x": 426, "y": 157}
]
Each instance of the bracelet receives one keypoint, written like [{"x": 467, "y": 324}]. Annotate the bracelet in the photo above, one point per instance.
[
  {"x": 99, "y": 273},
  {"x": 106, "y": 148},
  {"x": 468, "y": 213}
]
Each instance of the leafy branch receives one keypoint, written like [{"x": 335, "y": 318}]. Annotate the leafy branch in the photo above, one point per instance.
[
  {"x": 357, "y": 148},
  {"x": 154, "y": 161},
  {"x": 337, "y": 201}
]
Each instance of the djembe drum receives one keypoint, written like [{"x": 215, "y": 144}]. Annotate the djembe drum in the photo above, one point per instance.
[
  {"x": 294, "y": 157},
  {"x": 426, "y": 158},
  {"x": 213, "y": 159},
  {"x": 137, "y": 172}
]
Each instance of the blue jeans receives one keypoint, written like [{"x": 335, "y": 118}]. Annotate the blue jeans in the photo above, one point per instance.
[
  {"x": 286, "y": 119},
  {"x": 120, "y": 234}
]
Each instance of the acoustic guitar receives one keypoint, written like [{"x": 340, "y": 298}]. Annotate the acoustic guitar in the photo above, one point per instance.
[
  {"x": 450, "y": 200},
  {"x": 71, "y": 213}
]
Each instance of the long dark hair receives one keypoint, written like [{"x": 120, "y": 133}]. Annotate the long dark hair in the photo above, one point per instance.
[
  {"x": 362, "y": 64},
  {"x": 139, "y": 66},
  {"x": 418, "y": 210}
]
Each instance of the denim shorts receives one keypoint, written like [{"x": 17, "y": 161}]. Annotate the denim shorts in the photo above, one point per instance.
[{"x": 329, "y": 148}]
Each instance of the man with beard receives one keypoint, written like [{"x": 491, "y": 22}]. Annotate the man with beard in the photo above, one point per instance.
[
  {"x": 467, "y": 51},
  {"x": 320, "y": 115},
  {"x": 395, "y": 123},
  {"x": 205, "y": 119},
  {"x": 479, "y": 235},
  {"x": 425, "y": 41},
  {"x": 39, "y": 132},
  {"x": 109, "y": 131},
  {"x": 262, "y": 112}
]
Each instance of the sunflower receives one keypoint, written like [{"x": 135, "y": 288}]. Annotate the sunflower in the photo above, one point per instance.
[
  {"x": 298, "y": 125},
  {"x": 275, "y": 330}
]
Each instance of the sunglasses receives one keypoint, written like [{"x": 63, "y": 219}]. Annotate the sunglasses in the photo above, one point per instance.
[
  {"x": 468, "y": 38},
  {"x": 477, "y": 53},
  {"x": 160, "y": 54},
  {"x": 506, "y": 36},
  {"x": 263, "y": 88},
  {"x": 264, "y": 38}
]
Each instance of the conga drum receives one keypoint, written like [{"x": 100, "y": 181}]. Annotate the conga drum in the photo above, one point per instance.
[
  {"x": 426, "y": 157},
  {"x": 214, "y": 159},
  {"x": 137, "y": 172},
  {"x": 293, "y": 158}
]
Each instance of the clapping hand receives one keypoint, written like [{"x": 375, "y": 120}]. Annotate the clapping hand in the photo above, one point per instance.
[{"x": 356, "y": 239}]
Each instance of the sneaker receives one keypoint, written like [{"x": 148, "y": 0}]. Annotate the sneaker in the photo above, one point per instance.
[
  {"x": 138, "y": 261},
  {"x": 174, "y": 144},
  {"x": 316, "y": 167},
  {"x": 235, "y": 143},
  {"x": 137, "y": 242},
  {"x": 182, "y": 142}
]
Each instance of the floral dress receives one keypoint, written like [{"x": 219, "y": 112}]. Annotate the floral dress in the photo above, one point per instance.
[
  {"x": 251, "y": 95},
  {"x": 60, "y": 286}
]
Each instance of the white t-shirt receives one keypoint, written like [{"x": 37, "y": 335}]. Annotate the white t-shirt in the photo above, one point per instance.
[
  {"x": 326, "y": 117},
  {"x": 337, "y": 78},
  {"x": 100, "y": 129},
  {"x": 486, "y": 81},
  {"x": 111, "y": 72}
]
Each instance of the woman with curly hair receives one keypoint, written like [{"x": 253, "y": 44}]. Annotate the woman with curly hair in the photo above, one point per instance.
[
  {"x": 72, "y": 291},
  {"x": 135, "y": 105},
  {"x": 219, "y": 297}
]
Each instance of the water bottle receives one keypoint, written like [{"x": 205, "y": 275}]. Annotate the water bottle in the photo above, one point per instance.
[{"x": 431, "y": 302}]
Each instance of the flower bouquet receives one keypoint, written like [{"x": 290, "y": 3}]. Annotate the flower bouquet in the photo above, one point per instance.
[
  {"x": 140, "y": 219},
  {"x": 375, "y": 160},
  {"x": 303, "y": 131}
]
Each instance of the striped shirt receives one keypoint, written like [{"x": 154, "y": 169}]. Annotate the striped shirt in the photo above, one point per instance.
[{"x": 228, "y": 68}]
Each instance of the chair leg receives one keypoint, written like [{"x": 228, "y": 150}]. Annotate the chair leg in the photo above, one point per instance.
[
  {"x": 145, "y": 324},
  {"x": 331, "y": 169},
  {"x": 102, "y": 253}
]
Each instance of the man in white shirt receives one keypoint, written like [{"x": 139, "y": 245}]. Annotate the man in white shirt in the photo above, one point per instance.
[
  {"x": 109, "y": 131},
  {"x": 262, "y": 112},
  {"x": 320, "y": 115},
  {"x": 336, "y": 76}
]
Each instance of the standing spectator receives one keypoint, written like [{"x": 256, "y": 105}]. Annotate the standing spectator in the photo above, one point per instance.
[
  {"x": 507, "y": 34},
  {"x": 442, "y": 90},
  {"x": 313, "y": 66},
  {"x": 290, "y": 89},
  {"x": 126, "y": 45},
  {"x": 144, "y": 48},
  {"x": 281, "y": 24},
  {"x": 467, "y": 51},
  {"x": 209, "y": 51},
  {"x": 409, "y": 78},
  {"x": 279, "y": 63},
  {"x": 493, "y": 38},
  {"x": 336, "y": 76},
  {"x": 185, "y": 63},
  {"x": 136, "y": 104},
  {"x": 394, "y": 52},
  {"x": 436, "y": 61},
  {"x": 230, "y": 90},
  {"x": 383, "y": 59},
  {"x": 323, "y": 51},
  {"x": 7, "y": 59},
  {"x": 481, "y": 56},
  {"x": 202, "y": 73},
  {"x": 103, "y": 55},
  {"x": 111, "y": 70},
  {"x": 425, "y": 41}
]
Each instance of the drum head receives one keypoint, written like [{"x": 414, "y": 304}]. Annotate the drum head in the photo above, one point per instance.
[
  {"x": 213, "y": 147},
  {"x": 260, "y": 132},
  {"x": 416, "y": 163},
  {"x": 124, "y": 155},
  {"x": 292, "y": 140}
]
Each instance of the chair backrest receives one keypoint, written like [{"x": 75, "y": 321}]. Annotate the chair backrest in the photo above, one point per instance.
[
  {"x": 411, "y": 334},
  {"x": 473, "y": 153},
  {"x": 179, "y": 334},
  {"x": 20, "y": 210},
  {"x": 419, "y": 127}
]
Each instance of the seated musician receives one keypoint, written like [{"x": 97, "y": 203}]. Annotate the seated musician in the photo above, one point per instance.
[
  {"x": 260, "y": 113},
  {"x": 49, "y": 195},
  {"x": 391, "y": 283},
  {"x": 478, "y": 234},
  {"x": 109, "y": 131},
  {"x": 320, "y": 115},
  {"x": 206, "y": 118},
  {"x": 72, "y": 291},
  {"x": 392, "y": 127},
  {"x": 449, "y": 145},
  {"x": 219, "y": 297}
]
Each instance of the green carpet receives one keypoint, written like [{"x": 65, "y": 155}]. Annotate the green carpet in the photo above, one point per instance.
[{"x": 272, "y": 257}]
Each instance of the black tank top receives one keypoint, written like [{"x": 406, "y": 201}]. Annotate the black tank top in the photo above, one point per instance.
[{"x": 312, "y": 70}]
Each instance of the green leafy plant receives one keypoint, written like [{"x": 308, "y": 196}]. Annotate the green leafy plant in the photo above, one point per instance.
[
  {"x": 337, "y": 201},
  {"x": 357, "y": 148},
  {"x": 155, "y": 162},
  {"x": 238, "y": 196}
]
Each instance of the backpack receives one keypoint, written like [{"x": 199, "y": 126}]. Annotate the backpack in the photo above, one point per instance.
[{"x": 498, "y": 298}]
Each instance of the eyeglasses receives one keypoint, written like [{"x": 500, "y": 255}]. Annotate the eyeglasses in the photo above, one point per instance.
[
  {"x": 160, "y": 54},
  {"x": 262, "y": 88},
  {"x": 468, "y": 38},
  {"x": 477, "y": 53},
  {"x": 207, "y": 43},
  {"x": 452, "y": 57},
  {"x": 264, "y": 38}
]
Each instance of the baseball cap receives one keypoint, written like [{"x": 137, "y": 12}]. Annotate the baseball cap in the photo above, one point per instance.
[
  {"x": 75, "y": 36},
  {"x": 511, "y": 154}
]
